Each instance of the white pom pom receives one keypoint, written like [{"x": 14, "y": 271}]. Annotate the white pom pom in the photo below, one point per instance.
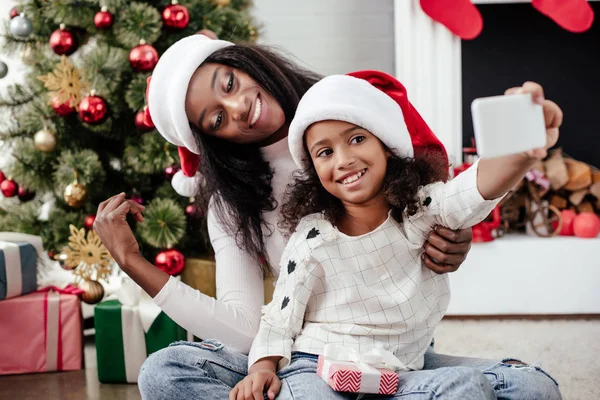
[{"x": 185, "y": 185}]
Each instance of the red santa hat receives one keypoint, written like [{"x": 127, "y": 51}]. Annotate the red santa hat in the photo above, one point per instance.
[
  {"x": 165, "y": 93},
  {"x": 372, "y": 100}
]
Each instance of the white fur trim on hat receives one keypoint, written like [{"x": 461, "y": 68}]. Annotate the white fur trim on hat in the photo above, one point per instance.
[
  {"x": 353, "y": 100},
  {"x": 169, "y": 84},
  {"x": 185, "y": 185}
]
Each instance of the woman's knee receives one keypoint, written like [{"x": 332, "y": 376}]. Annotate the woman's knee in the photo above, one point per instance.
[{"x": 528, "y": 381}]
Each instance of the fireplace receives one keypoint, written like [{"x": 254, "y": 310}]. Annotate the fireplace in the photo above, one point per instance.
[{"x": 444, "y": 74}]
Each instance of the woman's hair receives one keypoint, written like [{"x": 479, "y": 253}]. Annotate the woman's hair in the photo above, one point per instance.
[
  {"x": 238, "y": 178},
  {"x": 403, "y": 178}
]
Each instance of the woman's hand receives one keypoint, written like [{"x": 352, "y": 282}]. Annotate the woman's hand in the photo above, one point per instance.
[
  {"x": 553, "y": 115},
  {"x": 112, "y": 227},
  {"x": 253, "y": 386},
  {"x": 446, "y": 250}
]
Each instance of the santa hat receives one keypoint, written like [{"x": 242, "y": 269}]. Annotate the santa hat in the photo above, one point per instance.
[
  {"x": 372, "y": 100},
  {"x": 166, "y": 91}
]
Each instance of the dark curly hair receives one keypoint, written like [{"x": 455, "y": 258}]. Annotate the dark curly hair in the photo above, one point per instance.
[
  {"x": 403, "y": 178},
  {"x": 238, "y": 178}
]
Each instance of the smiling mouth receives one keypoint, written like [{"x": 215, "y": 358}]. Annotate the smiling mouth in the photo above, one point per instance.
[
  {"x": 353, "y": 178},
  {"x": 257, "y": 111}
]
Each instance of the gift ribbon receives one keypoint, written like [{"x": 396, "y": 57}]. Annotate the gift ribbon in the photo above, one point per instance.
[
  {"x": 12, "y": 264},
  {"x": 138, "y": 313},
  {"x": 52, "y": 325},
  {"x": 537, "y": 176},
  {"x": 367, "y": 363}
]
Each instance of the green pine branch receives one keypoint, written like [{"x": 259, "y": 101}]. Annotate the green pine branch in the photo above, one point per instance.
[
  {"x": 136, "y": 22},
  {"x": 164, "y": 224}
]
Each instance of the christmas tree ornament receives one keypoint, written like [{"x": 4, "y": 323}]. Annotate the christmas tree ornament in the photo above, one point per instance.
[
  {"x": 2, "y": 177},
  {"x": 93, "y": 291},
  {"x": 63, "y": 41},
  {"x": 574, "y": 16},
  {"x": 137, "y": 198},
  {"x": 25, "y": 195},
  {"x": 3, "y": 69},
  {"x": 45, "y": 140},
  {"x": 193, "y": 212},
  {"x": 86, "y": 254},
  {"x": 461, "y": 17},
  {"x": 170, "y": 261},
  {"x": 176, "y": 16},
  {"x": 93, "y": 109},
  {"x": 103, "y": 19},
  {"x": 222, "y": 3},
  {"x": 170, "y": 171},
  {"x": 14, "y": 12},
  {"x": 143, "y": 58},
  {"x": 140, "y": 122},
  {"x": 208, "y": 33},
  {"x": 88, "y": 222},
  {"x": 9, "y": 188},
  {"x": 62, "y": 109},
  {"x": 586, "y": 225},
  {"x": 28, "y": 56},
  {"x": 66, "y": 83},
  {"x": 75, "y": 194},
  {"x": 63, "y": 260},
  {"x": 21, "y": 27},
  {"x": 568, "y": 217}
]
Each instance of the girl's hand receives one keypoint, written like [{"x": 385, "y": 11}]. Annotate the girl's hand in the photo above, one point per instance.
[
  {"x": 446, "y": 250},
  {"x": 253, "y": 386},
  {"x": 112, "y": 227},
  {"x": 553, "y": 116}
]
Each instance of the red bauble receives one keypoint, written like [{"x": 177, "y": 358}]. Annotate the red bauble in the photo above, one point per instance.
[
  {"x": 103, "y": 19},
  {"x": 2, "y": 177},
  {"x": 14, "y": 12},
  {"x": 193, "y": 211},
  {"x": 170, "y": 261},
  {"x": 176, "y": 16},
  {"x": 88, "y": 222},
  {"x": 9, "y": 188},
  {"x": 63, "y": 42},
  {"x": 586, "y": 225},
  {"x": 138, "y": 199},
  {"x": 171, "y": 171},
  {"x": 93, "y": 109},
  {"x": 62, "y": 109},
  {"x": 143, "y": 58},
  {"x": 140, "y": 122},
  {"x": 568, "y": 216},
  {"x": 24, "y": 194}
]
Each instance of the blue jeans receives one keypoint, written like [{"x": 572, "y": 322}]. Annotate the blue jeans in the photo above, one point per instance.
[{"x": 207, "y": 370}]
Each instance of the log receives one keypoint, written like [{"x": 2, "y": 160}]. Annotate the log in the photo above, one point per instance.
[
  {"x": 556, "y": 170},
  {"x": 577, "y": 197},
  {"x": 558, "y": 202},
  {"x": 580, "y": 175},
  {"x": 585, "y": 206}
]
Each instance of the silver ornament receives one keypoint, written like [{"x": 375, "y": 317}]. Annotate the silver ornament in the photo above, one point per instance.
[
  {"x": 21, "y": 26},
  {"x": 3, "y": 69}
]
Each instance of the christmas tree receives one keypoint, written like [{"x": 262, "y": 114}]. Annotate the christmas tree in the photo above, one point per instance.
[{"x": 76, "y": 130}]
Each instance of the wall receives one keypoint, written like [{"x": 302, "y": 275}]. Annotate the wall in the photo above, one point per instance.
[{"x": 331, "y": 36}]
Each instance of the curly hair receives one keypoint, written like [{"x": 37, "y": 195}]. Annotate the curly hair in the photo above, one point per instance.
[
  {"x": 404, "y": 176},
  {"x": 237, "y": 177}
]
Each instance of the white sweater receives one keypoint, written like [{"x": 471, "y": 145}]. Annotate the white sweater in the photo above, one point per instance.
[
  {"x": 234, "y": 316},
  {"x": 370, "y": 290}
]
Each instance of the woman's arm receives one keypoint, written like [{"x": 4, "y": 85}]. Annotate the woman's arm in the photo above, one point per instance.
[{"x": 233, "y": 319}]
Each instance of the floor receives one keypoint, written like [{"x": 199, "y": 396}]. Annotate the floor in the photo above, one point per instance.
[{"x": 568, "y": 350}]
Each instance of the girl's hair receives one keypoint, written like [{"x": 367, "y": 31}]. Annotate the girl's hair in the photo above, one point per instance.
[
  {"x": 403, "y": 178},
  {"x": 237, "y": 177}
]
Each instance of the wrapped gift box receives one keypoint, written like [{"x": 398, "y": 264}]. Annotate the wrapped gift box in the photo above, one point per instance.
[
  {"x": 17, "y": 269},
  {"x": 41, "y": 332},
  {"x": 127, "y": 331}
]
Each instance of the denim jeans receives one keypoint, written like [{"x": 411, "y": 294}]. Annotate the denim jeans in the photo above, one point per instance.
[{"x": 207, "y": 370}]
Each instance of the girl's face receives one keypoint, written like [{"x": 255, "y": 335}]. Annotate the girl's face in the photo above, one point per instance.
[
  {"x": 350, "y": 161},
  {"x": 227, "y": 103}
]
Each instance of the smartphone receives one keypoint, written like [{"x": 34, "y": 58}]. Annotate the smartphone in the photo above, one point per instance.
[{"x": 507, "y": 125}]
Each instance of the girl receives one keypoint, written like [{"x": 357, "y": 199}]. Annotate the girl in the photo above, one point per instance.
[
  {"x": 351, "y": 273},
  {"x": 249, "y": 167}
]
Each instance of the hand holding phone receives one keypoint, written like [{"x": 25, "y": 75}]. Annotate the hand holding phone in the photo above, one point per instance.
[{"x": 506, "y": 125}]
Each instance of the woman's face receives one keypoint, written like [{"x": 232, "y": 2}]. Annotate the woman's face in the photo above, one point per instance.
[
  {"x": 227, "y": 103},
  {"x": 350, "y": 161}
]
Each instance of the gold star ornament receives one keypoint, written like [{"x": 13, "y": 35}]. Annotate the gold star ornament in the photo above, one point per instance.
[
  {"x": 87, "y": 255},
  {"x": 66, "y": 83}
]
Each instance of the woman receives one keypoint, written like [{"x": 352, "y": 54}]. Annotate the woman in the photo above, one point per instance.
[{"x": 231, "y": 105}]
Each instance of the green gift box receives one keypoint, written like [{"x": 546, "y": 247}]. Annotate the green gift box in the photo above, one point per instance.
[{"x": 122, "y": 343}]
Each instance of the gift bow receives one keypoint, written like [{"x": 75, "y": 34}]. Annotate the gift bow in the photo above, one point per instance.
[
  {"x": 131, "y": 295},
  {"x": 376, "y": 357}
]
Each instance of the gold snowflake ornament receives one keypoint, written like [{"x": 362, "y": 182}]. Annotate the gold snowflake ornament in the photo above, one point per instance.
[
  {"x": 87, "y": 255},
  {"x": 66, "y": 83}
]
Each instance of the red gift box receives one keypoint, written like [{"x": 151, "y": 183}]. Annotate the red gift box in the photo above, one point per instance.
[{"x": 41, "y": 332}]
